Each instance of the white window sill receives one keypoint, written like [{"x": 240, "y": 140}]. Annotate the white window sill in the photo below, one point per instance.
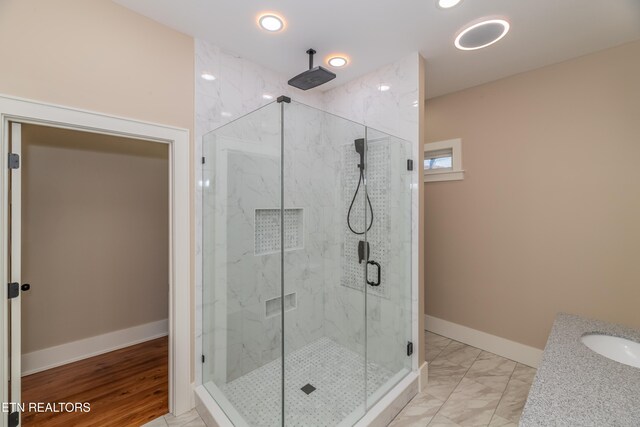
[{"x": 457, "y": 175}]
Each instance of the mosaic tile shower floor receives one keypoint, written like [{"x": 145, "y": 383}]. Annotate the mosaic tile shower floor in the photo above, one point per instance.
[{"x": 335, "y": 371}]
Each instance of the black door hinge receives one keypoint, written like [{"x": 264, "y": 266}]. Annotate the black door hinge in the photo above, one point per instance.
[
  {"x": 203, "y": 358},
  {"x": 14, "y": 419},
  {"x": 409, "y": 348},
  {"x": 14, "y": 290},
  {"x": 14, "y": 161},
  {"x": 203, "y": 160},
  {"x": 409, "y": 164}
]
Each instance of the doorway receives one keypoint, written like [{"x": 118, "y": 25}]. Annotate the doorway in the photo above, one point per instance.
[
  {"x": 95, "y": 257},
  {"x": 21, "y": 111}
]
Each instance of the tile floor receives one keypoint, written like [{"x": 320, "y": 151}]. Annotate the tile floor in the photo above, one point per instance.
[{"x": 467, "y": 387}]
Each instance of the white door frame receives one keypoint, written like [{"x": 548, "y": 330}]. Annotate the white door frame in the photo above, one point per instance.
[{"x": 34, "y": 112}]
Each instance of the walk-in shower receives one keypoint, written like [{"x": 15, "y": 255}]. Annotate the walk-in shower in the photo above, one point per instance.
[{"x": 306, "y": 267}]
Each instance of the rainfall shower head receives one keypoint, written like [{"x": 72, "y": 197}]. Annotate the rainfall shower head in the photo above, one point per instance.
[{"x": 313, "y": 76}]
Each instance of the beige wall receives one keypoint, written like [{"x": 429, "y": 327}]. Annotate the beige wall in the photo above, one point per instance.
[
  {"x": 547, "y": 218},
  {"x": 99, "y": 56},
  {"x": 95, "y": 234}
]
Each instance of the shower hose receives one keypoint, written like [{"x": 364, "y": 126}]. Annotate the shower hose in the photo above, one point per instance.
[{"x": 353, "y": 201}]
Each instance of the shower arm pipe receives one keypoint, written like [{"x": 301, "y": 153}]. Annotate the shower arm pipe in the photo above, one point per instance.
[{"x": 311, "y": 52}]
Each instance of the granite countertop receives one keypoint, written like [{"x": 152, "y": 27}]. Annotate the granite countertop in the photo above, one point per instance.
[{"x": 575, "y": 386}]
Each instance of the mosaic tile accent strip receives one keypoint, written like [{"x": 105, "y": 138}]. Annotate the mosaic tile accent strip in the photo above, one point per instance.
[
  {"x": 336, "y": 372},
  {"x": 267, "y": 230},
  {"x": 378, "y": 182}
]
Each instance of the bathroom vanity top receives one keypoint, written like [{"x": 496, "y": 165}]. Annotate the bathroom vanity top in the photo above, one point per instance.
[{"x": 575, "y": 386}]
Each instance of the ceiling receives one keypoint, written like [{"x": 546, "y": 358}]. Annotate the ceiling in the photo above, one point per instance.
[{"x": 377, "y": 32}]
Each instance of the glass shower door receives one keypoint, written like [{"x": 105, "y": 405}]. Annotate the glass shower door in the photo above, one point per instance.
[
  {"x": 241, "y": 328},
  {"x": 388, "y": 289}
]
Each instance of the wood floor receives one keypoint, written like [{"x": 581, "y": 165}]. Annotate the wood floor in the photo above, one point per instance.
[{"x": 127, "y": 387}]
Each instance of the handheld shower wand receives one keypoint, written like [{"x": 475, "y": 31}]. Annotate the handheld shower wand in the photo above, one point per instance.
[{"x": 359, "y": 145}]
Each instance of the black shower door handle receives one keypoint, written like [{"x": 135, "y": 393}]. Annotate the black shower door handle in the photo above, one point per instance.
[{"x": 376, "y": 283}]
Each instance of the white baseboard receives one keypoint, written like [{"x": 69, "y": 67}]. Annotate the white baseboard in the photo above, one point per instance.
[
  {"x": 521, "y": 353},
  {"x": 51, "y": 357}
]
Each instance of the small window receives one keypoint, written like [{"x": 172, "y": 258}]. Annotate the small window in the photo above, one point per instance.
[{"x": 443, "y": 161}]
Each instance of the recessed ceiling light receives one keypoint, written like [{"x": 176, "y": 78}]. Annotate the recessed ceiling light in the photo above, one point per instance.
[
  {"x": 225, "y": 114},
  {"x": 208, "y": 76},
  {"x": 482, "y": 34},
  {"x": 267, "y": 96},
  {"x": 337, "y": 61},
  {"x": 383, "y": 88},
  {"x": 271, "y": 22},
  {"x": 446, "y": 4}
]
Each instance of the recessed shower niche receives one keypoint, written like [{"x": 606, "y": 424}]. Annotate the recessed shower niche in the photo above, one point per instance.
[
  {"x": 267, "y": 230},
  {"x": 307, "y": 253}
]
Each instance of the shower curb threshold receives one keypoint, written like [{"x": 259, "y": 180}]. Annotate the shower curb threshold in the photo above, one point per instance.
[
  {"x": 390, "y": 405},
  {"x": 379, "y": 414}
]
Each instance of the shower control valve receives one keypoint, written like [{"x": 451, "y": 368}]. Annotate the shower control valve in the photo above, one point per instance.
[{"x": 363, "y": 251}]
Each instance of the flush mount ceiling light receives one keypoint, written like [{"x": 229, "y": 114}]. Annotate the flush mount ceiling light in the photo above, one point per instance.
[
  {"x": 207, "y": 76},
  {"x": 447, "y": 4},
  {"x": 267, "y": 96},
  {"x": 337, "y": 61},
  {"x": 271, "y": 22},
  {"x": 383, "y": 88},
  {"x": 482, "y": 34}
]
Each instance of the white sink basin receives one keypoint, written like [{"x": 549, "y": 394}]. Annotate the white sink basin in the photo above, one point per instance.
[{"x": 619, "y": 349}]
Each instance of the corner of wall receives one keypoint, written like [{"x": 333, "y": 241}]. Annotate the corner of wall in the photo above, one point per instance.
[{"x": 419, "y": 257}]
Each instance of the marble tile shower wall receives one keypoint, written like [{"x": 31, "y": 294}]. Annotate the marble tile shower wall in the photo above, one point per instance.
[
  {"x": 253, "y": 339},
  {"x": 385, "y": 99},
  {"x": 254, "y": 183},
  {"x": 309, "y": 173}
]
